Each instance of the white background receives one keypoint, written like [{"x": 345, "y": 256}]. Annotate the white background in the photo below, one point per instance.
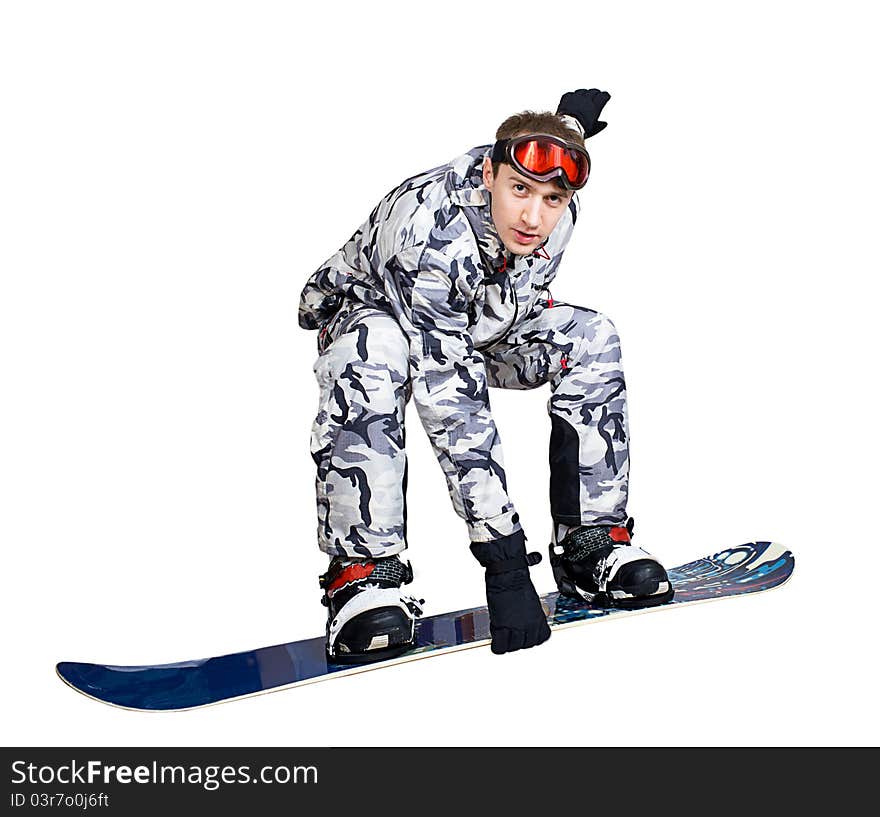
[{"x": 171, "y": 174}]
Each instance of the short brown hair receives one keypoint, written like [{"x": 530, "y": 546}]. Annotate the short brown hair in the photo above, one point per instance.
[{"x": 535, "y": 122}]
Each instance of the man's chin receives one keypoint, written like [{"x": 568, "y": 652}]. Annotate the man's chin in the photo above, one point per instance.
[
  {"x": 520, "y": 249},
  {"x": 516, "y": 247}
]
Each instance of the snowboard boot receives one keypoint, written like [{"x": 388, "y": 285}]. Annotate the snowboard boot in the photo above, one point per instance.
[
  {"x": 368, "y": 618},
  {"x": 601, "y": 566}
]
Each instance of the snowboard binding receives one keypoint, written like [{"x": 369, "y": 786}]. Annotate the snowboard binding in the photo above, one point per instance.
[
  {"x": 600, "y": 565},
  {"x": 368, "y": 618}
]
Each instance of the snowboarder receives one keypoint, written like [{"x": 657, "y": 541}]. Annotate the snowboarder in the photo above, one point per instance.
[{"x": 440, "y": 294}]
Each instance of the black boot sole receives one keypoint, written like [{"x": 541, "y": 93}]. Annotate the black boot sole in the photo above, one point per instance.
[{"x": 370, "y": 657}]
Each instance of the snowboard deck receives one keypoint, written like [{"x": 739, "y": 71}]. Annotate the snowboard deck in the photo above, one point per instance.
[{"x": 749, "y": 568}]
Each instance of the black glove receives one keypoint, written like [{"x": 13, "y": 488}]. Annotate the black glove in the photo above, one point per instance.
[
  {"x": 516, "y": 617},
  {"x": 585, "y": 106}
]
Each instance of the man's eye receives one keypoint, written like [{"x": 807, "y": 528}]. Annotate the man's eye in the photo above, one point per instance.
[{"x": 519, "y": 187}]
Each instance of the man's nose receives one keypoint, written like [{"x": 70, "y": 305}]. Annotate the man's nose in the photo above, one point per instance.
[{"x": 531, "y": 213}]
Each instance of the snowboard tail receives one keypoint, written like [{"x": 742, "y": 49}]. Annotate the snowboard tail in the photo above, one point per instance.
[{"x": 749, "y": 568}]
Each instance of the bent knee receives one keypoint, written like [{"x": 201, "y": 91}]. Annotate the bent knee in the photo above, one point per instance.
[
  {"x": 369, "y": 342},
  {"x": 594, "y": 333}
]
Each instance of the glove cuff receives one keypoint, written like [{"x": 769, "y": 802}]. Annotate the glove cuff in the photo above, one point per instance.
[
  {"x": 516, "y": 563},
  {"x": 504, "y": 554},
  {"x": 570, "y": 122}
]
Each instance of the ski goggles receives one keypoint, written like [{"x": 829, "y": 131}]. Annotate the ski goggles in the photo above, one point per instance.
[{"x": 544, "y": 158}]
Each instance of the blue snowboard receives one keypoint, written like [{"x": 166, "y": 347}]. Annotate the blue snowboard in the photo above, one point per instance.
[{"x": 749, "y": 568}]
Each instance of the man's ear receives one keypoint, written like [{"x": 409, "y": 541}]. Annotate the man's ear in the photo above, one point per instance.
[{"x": 488, "y": 176}]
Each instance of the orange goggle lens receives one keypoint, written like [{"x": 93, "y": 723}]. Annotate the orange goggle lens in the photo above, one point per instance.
[{"x": 541, "y": 157}]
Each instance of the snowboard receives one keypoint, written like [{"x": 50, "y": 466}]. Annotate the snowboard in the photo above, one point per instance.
[{"x": 749, "y": 568}]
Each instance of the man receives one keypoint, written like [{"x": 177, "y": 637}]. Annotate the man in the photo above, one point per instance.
[{"x": 441, "y": 293}]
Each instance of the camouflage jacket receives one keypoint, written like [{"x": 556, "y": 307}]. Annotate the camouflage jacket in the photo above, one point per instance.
[{"x": 430, "y": 256}]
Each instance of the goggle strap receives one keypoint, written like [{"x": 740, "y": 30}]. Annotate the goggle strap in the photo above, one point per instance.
[{"x": 498, "y": 151}]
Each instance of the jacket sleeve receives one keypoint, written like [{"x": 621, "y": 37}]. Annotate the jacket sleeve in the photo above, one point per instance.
[
  {"x": 323, "y": 292},
  {"x": 430, "y": 294}
]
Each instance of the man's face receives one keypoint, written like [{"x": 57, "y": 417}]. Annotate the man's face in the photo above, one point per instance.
[{"x": 524, "y": 211}]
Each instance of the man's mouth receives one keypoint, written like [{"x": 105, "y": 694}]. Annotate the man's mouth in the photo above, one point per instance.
[{"x": 524, "y": 238}]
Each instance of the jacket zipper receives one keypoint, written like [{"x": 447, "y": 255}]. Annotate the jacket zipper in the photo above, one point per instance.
[{"x": 515, "y": 308}]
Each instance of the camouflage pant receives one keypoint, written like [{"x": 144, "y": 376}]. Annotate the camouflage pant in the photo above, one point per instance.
[{"x": 358, "y": 437}]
